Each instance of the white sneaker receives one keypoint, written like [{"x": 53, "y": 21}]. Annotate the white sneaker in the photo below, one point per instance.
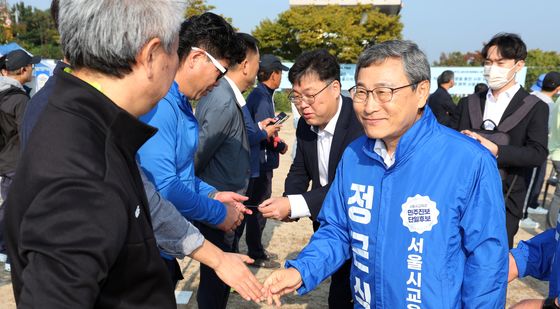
[
  {"x": 528, "y": 223},
  {"x": 8, "y": 267},
  {"x": 3, "y": 258},
  {"x": 537, "y": 211}
]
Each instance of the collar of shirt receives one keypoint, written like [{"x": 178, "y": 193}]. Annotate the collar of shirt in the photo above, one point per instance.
[
  {"x": 380, "y": 149},
  {"x": 331, "y": 126},
  {"x": 238, "y": 95},
  {"x": 496, "y": 106},
  {"x": 508, "y": 93},
  {"x": 546, "y": 99}
]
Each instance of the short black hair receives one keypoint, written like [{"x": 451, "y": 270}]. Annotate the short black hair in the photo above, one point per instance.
[
  {"x": 212, "y": 33},
  {"x": 480, "y": 87},
  {"x": 264, "y": 75},
  {"x": 248, "y": 43},
  {"x": 445, "y": 77},
  {"x": 320, "y": 62},
  {"x": 509, "y": 45},
  {"x": 2, "y": 64}
]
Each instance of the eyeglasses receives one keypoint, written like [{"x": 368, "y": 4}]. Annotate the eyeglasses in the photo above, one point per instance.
[
  {"x": 215, "y": 62},
  {"x": 297, "y": 99},
  {"x": 382, "y": 95}
]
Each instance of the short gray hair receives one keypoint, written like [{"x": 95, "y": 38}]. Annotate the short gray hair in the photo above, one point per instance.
[
  {"x": 445, "y": 77},
  {"x": 107, "y": 35},
  {"x": 415, "y": 63}
]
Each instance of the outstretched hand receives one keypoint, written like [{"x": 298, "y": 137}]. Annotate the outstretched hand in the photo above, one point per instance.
[
  {"x": 233, "y": 272},
  {"x": 276, "y": 208},
  {"x": 281, "y": 282},
  {"x": 231, "y": 269}
]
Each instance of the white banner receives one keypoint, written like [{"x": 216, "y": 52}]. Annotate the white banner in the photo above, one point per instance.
[{"x": 465, "y": 78}]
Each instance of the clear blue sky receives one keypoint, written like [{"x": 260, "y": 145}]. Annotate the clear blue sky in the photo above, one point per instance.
[
  {"x": 439, "y": 25},
  {"x": 436, "y": 25}
]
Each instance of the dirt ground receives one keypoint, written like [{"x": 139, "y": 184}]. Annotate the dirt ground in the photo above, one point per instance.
[{"x": 286, "y": 240}]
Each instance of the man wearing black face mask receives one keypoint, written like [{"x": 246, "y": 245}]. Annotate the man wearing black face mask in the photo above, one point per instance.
[{"x": 507, "y": 100}]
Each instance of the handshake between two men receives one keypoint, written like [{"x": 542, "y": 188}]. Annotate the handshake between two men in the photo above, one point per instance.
[{"x": 230, "y": 266}]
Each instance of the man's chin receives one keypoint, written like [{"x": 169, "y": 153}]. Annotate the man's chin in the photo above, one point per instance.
[{"x": 374, "y": 133}]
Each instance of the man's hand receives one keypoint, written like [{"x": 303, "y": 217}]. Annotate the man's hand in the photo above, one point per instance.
[
  {"x": 276, "y": 208},
  {"x": 513, "y": 272},
  {"x": 232, "y": 270},
  {"x": 529, "y": 304},
  {"x": 281, "y": 282},
  {"x": 233, "y": 219},
  {"x": 233, "y": 199},
  {"x": 484, "y": 141},
  {"x": 285, "y": 148},
  {"x": 271, "y": 129}
]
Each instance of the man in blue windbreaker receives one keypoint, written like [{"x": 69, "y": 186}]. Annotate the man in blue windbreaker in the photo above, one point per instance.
[
  {"x": 417, "y": 206},
  {"x": 537, "y": 257}
]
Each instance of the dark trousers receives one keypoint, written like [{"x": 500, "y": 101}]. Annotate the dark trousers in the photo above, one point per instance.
[
  {"x": 512, "y": 225},
  {"x": 4, "y": 187},
  {"x": 174, "y": 271},
  {"x": 212, "y": 292},
  {"x": 259, "y": 189},
  {"x": 340, "y": 293},
  {"x": 535, "y": 190}
]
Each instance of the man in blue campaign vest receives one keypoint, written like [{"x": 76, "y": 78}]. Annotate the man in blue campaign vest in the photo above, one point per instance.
[
  {"x": 537, "y": 257},
  {"x": 417, "y": 206}
]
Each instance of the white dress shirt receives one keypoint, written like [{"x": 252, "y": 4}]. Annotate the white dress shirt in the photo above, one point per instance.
[
  {"x": 298, "y": 206},
  {"x": 495, "y": 107},
  {"x": 380, "y": 149},
  {"x": 238, "y": 95}
]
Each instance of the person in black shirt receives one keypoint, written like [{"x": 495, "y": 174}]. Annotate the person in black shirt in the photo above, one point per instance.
[{"x": 441, "y": 102}]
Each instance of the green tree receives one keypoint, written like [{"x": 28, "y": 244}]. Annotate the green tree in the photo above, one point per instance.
[
  {"x": 35, "y": 31},
  {"x": 343, "y": 30},
  {"x": 459, "y": 59},
  {"x": 197, "y": 7},
  {"x": 539, "y": 62}
]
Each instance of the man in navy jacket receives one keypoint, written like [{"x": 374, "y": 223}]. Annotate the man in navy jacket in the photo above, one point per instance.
[{"x": 260, "y": 105}]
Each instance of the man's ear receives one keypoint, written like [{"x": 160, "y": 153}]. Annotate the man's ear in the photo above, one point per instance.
[
  {"x": 336, "y": 86},
  {"x": 245, "y": 65},
  {"x": 423, "y": 91},
  {"x": 148, "y": 55},
  {"x": 520, "y": 64},
  {"x": 194, "y": 57}
]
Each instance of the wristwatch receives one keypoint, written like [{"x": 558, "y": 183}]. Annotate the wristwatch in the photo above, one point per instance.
[{"x": 549, "y": 303}]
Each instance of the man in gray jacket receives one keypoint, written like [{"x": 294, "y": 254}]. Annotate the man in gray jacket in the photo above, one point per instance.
[{"x": 223, "y": 156}]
